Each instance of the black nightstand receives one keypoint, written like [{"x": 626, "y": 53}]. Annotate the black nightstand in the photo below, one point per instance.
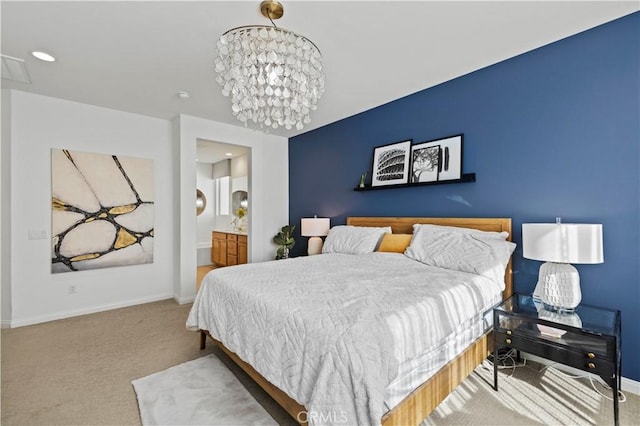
[{"x": 588, "y": 339}]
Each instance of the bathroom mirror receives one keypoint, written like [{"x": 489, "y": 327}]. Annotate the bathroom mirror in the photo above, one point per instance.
[
  {"x": 239, "y": 199},
  {"x": 201, "y": 202}
]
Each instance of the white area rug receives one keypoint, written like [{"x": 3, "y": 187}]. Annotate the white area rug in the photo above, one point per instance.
[{"x": 198, "y": 392}]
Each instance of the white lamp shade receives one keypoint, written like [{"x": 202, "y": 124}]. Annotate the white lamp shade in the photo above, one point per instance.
[
  {"x": 314, "y": 226},
  {"x": 562, "y": 242}
]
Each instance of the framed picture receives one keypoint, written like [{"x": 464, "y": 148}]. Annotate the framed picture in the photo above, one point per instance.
[
  {"x": 437, "y": 160},
  {"x": 391, "y": 164},
  {"x": 425, "y": 158}
]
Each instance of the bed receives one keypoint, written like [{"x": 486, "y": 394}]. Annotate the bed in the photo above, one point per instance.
[{"x": 374, "y": 321}]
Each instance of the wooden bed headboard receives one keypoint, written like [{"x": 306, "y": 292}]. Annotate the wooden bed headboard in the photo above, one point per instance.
[{"x": 404, "y": 225}]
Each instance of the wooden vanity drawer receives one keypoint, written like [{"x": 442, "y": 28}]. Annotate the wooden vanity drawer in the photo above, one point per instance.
[
  {"x": 218, "y": 235},
  {"x": 232, "y": 250}
]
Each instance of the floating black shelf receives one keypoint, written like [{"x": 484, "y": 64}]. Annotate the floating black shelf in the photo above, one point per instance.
[{"x": 467, "y": 177}]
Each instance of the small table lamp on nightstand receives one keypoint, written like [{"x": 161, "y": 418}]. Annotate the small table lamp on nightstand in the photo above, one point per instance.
[
  {"x": 314, "y": 227},
  {"x": 560, "y": 244}
]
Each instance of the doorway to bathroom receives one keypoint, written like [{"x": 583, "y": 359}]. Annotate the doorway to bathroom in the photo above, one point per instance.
[{"x": 222, "y": 199}]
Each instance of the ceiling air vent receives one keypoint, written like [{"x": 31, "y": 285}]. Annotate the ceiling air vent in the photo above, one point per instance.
[{"x": 14, "y": 69}]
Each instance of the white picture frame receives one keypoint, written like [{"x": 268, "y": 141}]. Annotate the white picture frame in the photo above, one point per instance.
[
  {"x": 437, "y": 160},
  {"x": 391, "y": 164}
]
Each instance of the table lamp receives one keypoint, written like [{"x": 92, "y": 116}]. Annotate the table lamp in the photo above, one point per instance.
[
  {"x": 559, "y": 245},
  {"x": 314, "y": 227}
]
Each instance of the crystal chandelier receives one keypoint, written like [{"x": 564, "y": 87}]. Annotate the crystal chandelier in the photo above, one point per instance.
[{"x": 273, "y": 76}]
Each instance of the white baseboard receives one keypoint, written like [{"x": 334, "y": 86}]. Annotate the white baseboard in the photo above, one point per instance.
[
  {"x": 631, "y": 386},
  {"x": 184, "y": 300},
  {"x": 627, "y": 385},
  {"x": 85, "y": 311},
  {"x": 5, "y": 324}
]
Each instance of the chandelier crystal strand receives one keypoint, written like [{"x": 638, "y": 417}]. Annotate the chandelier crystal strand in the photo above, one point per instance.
[{"x": 273, "y": 76}]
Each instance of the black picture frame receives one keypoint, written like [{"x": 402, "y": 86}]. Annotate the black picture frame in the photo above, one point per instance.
[
  {"x": 391, "y": 163},
  {"x": 437, "y": 160}
]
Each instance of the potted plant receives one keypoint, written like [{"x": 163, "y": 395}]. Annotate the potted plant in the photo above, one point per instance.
[
  {"x": 285, "y": 241},
  {"x": 362, "y": 178}
]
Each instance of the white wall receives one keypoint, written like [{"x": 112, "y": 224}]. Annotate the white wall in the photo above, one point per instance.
[
  {"x": 39, "y": 123},
  {"x": 205, "y": 221},
  {"x": 268, "y": 189},
  {"x": 5, "y": 211},
  {"x": 239, "y": 168},
  {"x": 33, "y": 124}
]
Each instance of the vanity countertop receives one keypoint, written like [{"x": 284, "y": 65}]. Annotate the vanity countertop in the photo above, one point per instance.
[{"x": 230, "y": 231}]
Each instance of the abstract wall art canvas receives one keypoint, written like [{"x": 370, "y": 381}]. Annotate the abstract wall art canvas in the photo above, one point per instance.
[{"x": 102, "y": 211}]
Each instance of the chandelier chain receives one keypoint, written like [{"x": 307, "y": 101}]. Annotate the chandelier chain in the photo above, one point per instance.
[{"x": 269, "y": 16}]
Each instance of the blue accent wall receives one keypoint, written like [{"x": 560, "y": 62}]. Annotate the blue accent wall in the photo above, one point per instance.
[{"x": 554, "y": 132}]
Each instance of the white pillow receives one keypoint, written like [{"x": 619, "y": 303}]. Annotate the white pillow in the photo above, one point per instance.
[
  {"x": 456, "y": 229},
  {"x": 462, "y": 249},
  {"x": 353, "y": 239}
]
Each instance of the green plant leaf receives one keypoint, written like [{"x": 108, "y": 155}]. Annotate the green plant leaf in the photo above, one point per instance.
[{"x": 284, "y": 239}]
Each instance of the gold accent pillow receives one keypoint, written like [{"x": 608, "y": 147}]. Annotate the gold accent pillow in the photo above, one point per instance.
[{"x": 395, "y": 243}]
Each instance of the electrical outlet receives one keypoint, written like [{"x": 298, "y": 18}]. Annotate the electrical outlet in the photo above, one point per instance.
[
  {"x": 72, "y": 289},
  {"x": 37, "y": 234}
]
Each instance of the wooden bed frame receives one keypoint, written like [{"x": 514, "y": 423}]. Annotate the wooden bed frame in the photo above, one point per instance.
[{"x": 423, "y": 400}]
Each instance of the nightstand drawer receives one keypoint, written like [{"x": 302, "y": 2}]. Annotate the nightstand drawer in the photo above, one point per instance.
[
  {"x": 577, "y": 341},
  {"x": 583, "y": 360}
]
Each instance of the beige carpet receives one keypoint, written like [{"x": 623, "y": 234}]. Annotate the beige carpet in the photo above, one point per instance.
[
  {"x": 78, "y": 371},
  {"x": 531, "y": 395}
]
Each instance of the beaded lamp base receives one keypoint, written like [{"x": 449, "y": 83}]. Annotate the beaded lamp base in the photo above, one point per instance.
[{"x": 560, "y": 283}]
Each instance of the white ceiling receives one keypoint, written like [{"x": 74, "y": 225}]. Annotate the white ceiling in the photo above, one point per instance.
[
  {"x": 135, "y": 56},
  {"x": 212, "y": 152}
]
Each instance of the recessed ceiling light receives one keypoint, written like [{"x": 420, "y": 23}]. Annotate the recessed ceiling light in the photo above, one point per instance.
[
  {"x": 43, "y": 56},
  {"x": 184, "y": 95},
  {"x": 228, "y": 154}
]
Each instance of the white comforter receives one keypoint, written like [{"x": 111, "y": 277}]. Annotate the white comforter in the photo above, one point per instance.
[{"x": 331, "y": 330}]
